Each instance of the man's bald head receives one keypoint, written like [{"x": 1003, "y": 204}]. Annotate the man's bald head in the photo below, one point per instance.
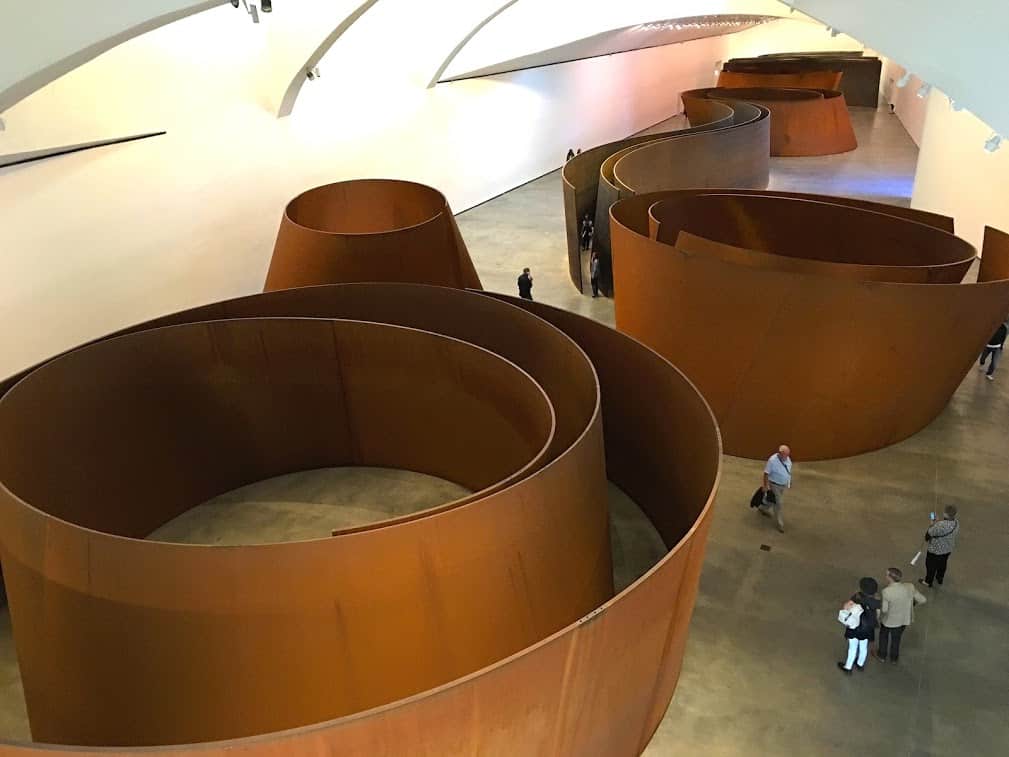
[{"x": 785, "y": 451}]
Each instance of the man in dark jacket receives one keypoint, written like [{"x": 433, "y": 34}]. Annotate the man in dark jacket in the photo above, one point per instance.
[
  {"x": 993, "y": 348},
  {"x": 526, "y": 285}
]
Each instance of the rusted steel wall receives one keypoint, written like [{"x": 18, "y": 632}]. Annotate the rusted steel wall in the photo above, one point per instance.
[
  {"x": 860, "y": 74},
  {"x": 448, "y": 608},
  {"x": 804, "y": 122},
  {"x": 801, "y": 80},
  {"x": 802, "y": 353},
  {"x": 718, "y": 150},
  {"x": 370, "y": 230}
]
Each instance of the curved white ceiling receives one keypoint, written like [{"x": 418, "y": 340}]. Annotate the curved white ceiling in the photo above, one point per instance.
[
  {"x": 530, "y": 26},
  {"x": 41, "y": 41},
  {"x": 957, "y": 47},
  {"x": 627, "y": 39}
]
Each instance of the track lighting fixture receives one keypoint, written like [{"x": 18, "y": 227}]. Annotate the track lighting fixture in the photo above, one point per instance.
[
  {"x": 902, "y": 81},
  {"x": 3, "y": 126},
  {"x": 923, "y": 91},
  {"x": 954, "y": 105},
  {"x": 993, "y": 143},
  {"x": 834, "y": 32},
  {"x": 313, "y": 73},
  {"x": 266, "y": 6},
  {"x": 235, "y": 3}
]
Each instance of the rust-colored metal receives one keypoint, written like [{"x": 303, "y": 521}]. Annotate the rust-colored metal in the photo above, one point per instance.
[
  {"x": 860, "y": 74},
  {"x": 726, "y": 144},
  {"x": 798, "y": 80},
  {"x": 776, "y": 313},
  {"x": 159, "y": 643},
  {"x": 803, "y": 121},
  {"x": 370, "y": 230}
]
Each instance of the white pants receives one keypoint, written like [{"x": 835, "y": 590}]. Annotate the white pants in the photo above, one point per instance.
[{"x": 861, "y": 646}]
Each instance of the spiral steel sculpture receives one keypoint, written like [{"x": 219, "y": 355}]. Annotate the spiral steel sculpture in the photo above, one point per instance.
[{"x": 487, "y": 625}]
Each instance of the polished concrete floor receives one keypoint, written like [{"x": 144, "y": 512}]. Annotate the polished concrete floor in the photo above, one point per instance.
[{"x": 759, "y": 675}]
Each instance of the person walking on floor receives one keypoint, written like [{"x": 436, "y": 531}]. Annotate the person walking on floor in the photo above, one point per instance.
[
  {"x": 993, "y": 348},
  {"x": 586, "y": 233},
  {"x": 941, "y": 538},
  {"x": 594, "y": 266},
  {"x": 859, "y": 618},
  {"x": 570, "y": 155},
  {"x": 777, "y": 478},
  {"x": 525, "y": 283},
  {"x": 896, "y": 614}
]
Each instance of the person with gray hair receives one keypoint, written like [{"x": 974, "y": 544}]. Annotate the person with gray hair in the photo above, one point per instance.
[
  {"x": 941, "y": 538},
  {"x": 899, "y": 599},
  {"x": 777, "y": 478}
]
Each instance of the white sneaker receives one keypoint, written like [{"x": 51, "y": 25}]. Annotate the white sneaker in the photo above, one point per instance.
[{"x": 990, "y": 378}]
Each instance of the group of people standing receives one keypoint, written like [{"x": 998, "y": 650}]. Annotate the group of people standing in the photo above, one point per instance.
[{"x": 891, "y": 610}]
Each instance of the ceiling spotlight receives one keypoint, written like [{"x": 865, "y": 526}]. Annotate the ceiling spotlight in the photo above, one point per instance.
[
  {"x": 902, "y": 81},
  {"x": 954, "y": 105},
  {"x": 993, "y": 143},
  {"x": 266, "y": 6},
  {"x": 3, "y": 126},
  {"x": 923, "y": 91},
  {"x": 235, "y": 3},
  {"x": 313, "y": 73},
  {"x": 834, "y": 32}
]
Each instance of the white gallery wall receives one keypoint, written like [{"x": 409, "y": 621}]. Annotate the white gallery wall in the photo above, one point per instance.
[
  {"x": 957, "y": 176},
  {"x": 97, "y": 240}
]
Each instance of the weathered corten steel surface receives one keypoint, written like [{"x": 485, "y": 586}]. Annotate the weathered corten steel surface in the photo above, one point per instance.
[
  {"x": 416, "y": 625},
  {"x": 803, "y": 121},
  {"x": 860, "y": 73},
  {"x": 370, "y": 230},
  {"x": 809, "y": 335},
  {"x": 799, "y": 80},
  {"x": 727, "y": 144}
]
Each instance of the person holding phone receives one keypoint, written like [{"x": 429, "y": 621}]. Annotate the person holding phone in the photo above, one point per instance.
[{"x": 941, "y": 539}]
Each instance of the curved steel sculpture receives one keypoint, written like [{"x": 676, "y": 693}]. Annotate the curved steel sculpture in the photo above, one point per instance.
[
  {"x": 797, "y": 80},
  {"x": 351, "y": 642},
  {"x": 838, "y": 325},
  {"x": 804, "y": 122},
  {"x": 726, "y": 145},
  {"x": 370, "y": 230},
  {"x": 859, "y": 73}
]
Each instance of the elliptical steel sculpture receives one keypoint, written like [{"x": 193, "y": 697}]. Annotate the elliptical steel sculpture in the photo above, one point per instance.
[
  {"x": 403, "y": 632},
  {"x": 839, "y": 325}
]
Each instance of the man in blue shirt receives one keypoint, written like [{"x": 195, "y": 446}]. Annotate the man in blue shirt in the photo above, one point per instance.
[{"x": 777, "y": 478}]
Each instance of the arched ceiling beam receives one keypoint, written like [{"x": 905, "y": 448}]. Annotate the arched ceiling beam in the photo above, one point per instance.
[
  {"x": 296, "y": 79},
  {"x": 42, "y": 41},
  {"x": 465, "y": 41}
]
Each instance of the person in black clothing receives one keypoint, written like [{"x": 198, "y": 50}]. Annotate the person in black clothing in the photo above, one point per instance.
[
  {"x": 864, "y": 634},
  {"x": 993, "y": 348},
  {"x": 526, "y": 285},
  {"x": 570, "y": 155},
  {"x": 594, "y": 266},
  {"x": 588, "y": 230}
]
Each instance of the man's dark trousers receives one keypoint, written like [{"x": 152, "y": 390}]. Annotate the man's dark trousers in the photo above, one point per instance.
[
  {"x": 889, "y": 639},
  {"x": 935, "y": 567}
]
